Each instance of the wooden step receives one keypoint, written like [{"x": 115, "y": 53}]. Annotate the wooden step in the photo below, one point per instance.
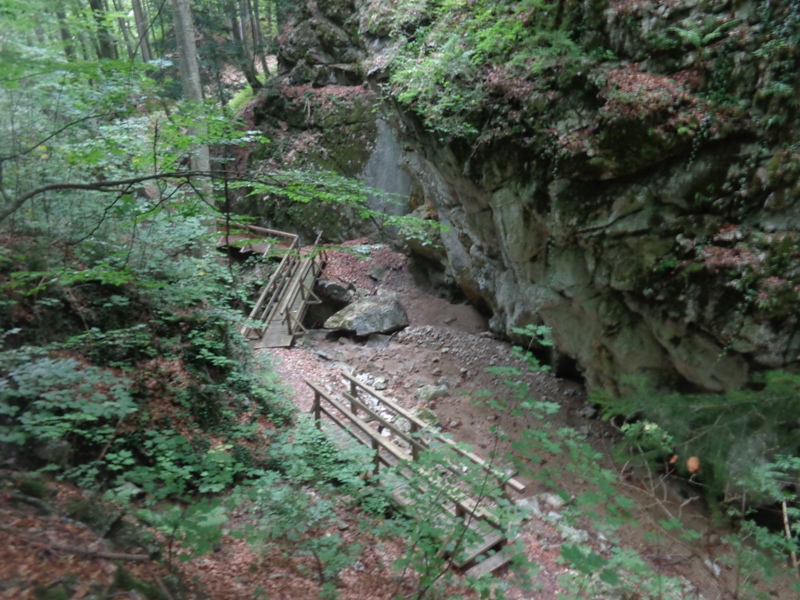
[
  {"x": 490, "y": 540},
  {"x": 491, "y": 564}
]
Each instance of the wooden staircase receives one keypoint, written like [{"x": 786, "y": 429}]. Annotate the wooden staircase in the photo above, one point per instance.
[{"x": 362, "y": 421}]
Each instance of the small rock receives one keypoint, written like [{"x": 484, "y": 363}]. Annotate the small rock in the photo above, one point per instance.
[
  {"x": 358, "y": 566},
  {"x": 430, "y": 392},
  {"x": 324, "y": 355},
  {"x": 713, "y": 567},
  {"x": 342, "y": 526},
  {"x": 436, "y": 372},
  {"x": 531, "y": 505},
  {"x": 551, "y": 500},
  {"x": 574, "y": 535},
  {"x": 426, "y": 415}
]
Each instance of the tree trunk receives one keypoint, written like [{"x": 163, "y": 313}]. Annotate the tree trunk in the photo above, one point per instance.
[
  {"x": 63, "y": 30},
  {"x": 239, "y": 34},
  {"x": 142, "y": 31},
  {"x": 122, "y": 23},
  {"x": 190, "y": 78},
  {"x": 105, "y": 41},
  {"x": 258, "y": 39}
]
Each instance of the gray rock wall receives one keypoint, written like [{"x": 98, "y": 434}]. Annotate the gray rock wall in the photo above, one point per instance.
[{"x": 648, "y": 212}]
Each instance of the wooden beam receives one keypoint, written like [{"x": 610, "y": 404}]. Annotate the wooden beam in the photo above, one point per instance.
[
  {"x": 425, "y": 429},
  {"x": 393, "y": 449},
  {"x": 384, "y": 423}
]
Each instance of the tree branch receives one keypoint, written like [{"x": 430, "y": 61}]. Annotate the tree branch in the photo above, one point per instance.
[
  {"x": 96, "y": 186},
  {"x": 77, "y": 549}
]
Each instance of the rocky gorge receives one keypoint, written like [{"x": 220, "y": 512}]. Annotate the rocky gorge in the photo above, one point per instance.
[{"x": 634, "y": 188}]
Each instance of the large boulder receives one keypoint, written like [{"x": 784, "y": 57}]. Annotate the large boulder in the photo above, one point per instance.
[{"x": 375, "y": 314}]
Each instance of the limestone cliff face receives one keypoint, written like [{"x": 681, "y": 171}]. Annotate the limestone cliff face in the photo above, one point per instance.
[{"x": 651, "y": 224}]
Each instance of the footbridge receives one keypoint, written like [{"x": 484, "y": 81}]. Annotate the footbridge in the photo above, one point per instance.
[
  {"x": 367, "y": 416},
  {"x": 277, "y": 316}
]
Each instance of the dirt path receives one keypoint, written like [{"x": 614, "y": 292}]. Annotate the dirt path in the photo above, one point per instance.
[{"x": 448, "y": 344}]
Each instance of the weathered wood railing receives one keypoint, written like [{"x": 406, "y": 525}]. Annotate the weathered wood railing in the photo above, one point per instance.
[
  {"x": 427, "y": 436},
  {"x": 267, "y": 300},
  {"x": 417, "y": 435},
  {"x": 294, "y": 322}
]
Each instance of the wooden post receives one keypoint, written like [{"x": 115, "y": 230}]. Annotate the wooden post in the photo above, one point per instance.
[
  {"x": 414, "y": 447},
  {"x": 317, "y": 415},
  {"x": 353, "y": 389},
  {"x": 289, "y": 321},
  {"x": 376, "y": 447}
]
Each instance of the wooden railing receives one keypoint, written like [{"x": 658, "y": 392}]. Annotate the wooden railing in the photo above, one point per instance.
[
  {"x": 417, "y": 434},
  {"x": 427, "y": 436},
  {"x": 292, "y": 323},
  {"x": 268, "y": 301},
  {"x": 479, "y": 514}
]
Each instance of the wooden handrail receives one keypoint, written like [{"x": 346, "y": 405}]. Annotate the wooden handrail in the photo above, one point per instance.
[
  {"x": 416, "y": 445},
  {"x": 428, "y": 431},
  {"x": 255, "y": 228},
  {"x": 285, "y": 264},
  {"x": 375, "y": 437}
]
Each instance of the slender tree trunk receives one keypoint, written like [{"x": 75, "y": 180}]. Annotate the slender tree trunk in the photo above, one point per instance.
[
  {"x": 268, "y": 11},
  {"x": 86, "y": 47},
  {"x": 142, "y": 30},
  {"x": 105, "y": 41},
  {"x": 239, "y": 34},
  {"x": 258, "y": 39},
  {"x": 161, "y": 40},
  {"x": 63, "y": 30},
  {"x": 190, "y": 78},
  {"x": 122, "y": 23},
  {"x": 39, "y": 31}
]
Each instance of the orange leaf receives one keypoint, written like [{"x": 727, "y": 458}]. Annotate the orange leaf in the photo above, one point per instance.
[{"x": 693, "y": 464}]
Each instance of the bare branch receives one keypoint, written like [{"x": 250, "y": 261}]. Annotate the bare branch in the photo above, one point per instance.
[{"x": 96, "y": 186}]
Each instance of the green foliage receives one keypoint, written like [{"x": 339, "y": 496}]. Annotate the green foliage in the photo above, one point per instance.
[
  {"x": 443, "y": 71},
  {"x": 44, "y": 398},
  {"x": 299, "y": 520},
  {"x": 306, "y": 454},
  {"x": 191, "y": 531},
  {"x": 732, "y": 434}
]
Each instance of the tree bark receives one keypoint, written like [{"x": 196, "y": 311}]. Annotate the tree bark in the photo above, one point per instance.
[
  {"x": 239, "y": 32},
  {"x": 258, "y": 38},
  {"x": 142, "y": 28},
  {"x": 63, "y": 30},
  {"x": 105, "y": 41},
  {"x": 125, "y": 29},
  {"x": 190, "y": 78}
]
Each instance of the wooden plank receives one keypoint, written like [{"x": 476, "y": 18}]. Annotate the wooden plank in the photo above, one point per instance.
[
  {"x": 292, "y": 236},
  {"x": 510, "y": 481},
  {"x": 398, "y": 453},
  {"x": 374, "y": 416},
  {"x": 489, "y": 541},
  {"x": 491, "y": 564},
  {"x": 385, "y": 401}
]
